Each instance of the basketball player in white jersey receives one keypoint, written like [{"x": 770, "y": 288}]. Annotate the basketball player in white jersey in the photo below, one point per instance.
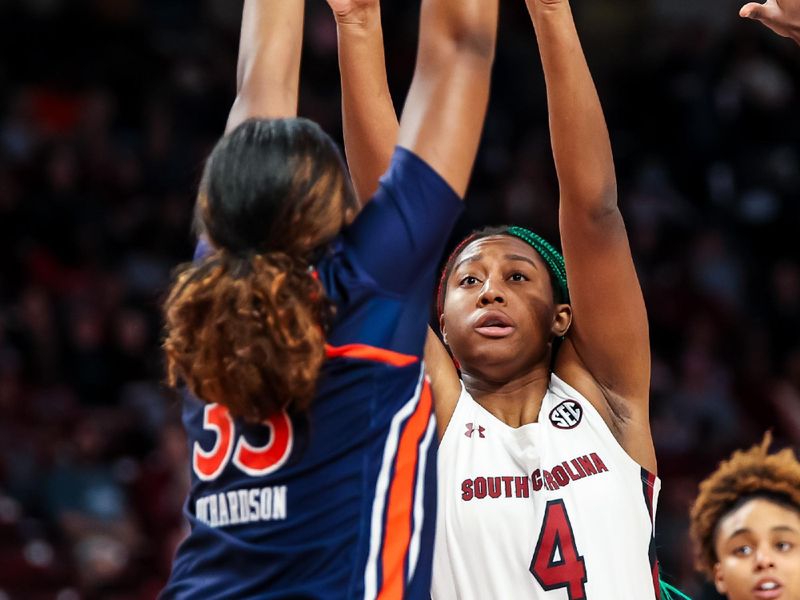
[{"x": 547, "y": 486}]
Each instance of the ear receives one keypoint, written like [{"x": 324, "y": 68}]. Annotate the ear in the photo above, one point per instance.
[
  {"x": 350, "y": 213},
  {"x": 443, "y": 329},
  {"x": 719, "y": 580},
  {"x": 562, "y": 319}
]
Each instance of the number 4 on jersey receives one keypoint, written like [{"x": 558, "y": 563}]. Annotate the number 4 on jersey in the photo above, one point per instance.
[
  {"x": 254, "y": 461},
  {"x": 556, "y": 563}
]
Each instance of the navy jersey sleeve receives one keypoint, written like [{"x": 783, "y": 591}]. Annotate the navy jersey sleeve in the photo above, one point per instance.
[{"x": 402, "y": 232}]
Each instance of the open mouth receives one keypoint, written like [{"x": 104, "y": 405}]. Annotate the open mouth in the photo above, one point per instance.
[
  {"x": 494, "y": 324},
  {"x": 767, "y": 589}
]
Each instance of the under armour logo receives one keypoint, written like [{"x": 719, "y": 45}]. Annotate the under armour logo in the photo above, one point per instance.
[{"x": 471, "y": 429}]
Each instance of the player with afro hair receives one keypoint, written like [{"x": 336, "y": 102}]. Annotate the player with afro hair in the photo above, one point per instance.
[{"x": 745, "y": 525}]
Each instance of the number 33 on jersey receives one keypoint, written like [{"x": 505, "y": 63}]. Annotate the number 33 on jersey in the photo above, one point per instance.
[
  {"x": 251, "y": 460},
  {"x": 247, "y": 504}
]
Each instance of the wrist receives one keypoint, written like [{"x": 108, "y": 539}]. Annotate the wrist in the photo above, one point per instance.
[
  {"x": 548, "y": 7},
  {"x": 362, "y": 17}
]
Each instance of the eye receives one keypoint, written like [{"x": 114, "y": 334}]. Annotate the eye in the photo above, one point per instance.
[
  {"x": 743, "y": 550},
  {"x": 518, "y": 277},
  {"x": 468, "y": 280},
  {"x": 784, "y": 546}
]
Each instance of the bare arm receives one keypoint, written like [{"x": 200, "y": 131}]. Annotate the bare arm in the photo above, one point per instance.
[
  {"x": 782, "y": 16},
  {"x": 446, "y": 106},
  {"x": 268, "y": 70},
  {"x": 445, "y": 383},
  {"x": 368, "y": 114},
  {"x": 609, "y": 337}
]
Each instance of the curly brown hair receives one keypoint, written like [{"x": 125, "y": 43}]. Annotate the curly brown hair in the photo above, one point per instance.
[
  {"x": 745, "y": 475},
  {"x": 245, "y": 326}
]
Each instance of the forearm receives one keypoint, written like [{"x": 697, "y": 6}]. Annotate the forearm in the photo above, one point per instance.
[
  {"x": 368, "y": 114},
  {"x": 446, "y": 106},
  {"x": 579, "y": 136},
  {"x": 268, "y": 69}
]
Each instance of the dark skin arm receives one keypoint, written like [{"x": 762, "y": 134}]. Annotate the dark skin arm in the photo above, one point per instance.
[
  {"x": 268, "y": 70},
  {"x": 446, "y": 106},
  {"x": 443, "y": 119},
  {"x": 606, "y": 355},
  {"x": 368, "y": 114},
  {"x": 448, "y": 97}
]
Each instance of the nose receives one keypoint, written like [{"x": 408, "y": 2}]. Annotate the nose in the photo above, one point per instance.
[
  {"x": 491, "y": 294},
  {"x": 764, "y": 558}
]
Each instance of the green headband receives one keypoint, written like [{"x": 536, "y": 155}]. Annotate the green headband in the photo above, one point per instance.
[{"x": 551, "y": 256}]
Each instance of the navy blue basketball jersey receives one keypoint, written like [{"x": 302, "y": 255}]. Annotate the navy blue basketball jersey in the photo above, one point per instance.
[{"x": 338, "y": 503}]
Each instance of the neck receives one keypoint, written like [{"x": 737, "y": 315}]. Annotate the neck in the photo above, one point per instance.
[{"x": 516, "y": 402}]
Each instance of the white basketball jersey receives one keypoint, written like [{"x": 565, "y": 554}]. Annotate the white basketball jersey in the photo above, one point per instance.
[{"x": 552, "y": 510}]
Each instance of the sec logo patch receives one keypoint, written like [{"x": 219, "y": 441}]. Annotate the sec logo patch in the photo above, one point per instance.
[{"x": 566, "y": 415}]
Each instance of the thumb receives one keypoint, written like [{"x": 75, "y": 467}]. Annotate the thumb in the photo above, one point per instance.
[{"x": 753, "y": 10}]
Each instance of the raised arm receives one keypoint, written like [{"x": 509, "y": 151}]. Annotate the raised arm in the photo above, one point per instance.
[
  {"x": 268, "y": 70},
  {"x": 607, "y": 352},
  {"x": 446, "y": 105},
  {"x": 368, "y": 114},
  {"x": 782, "y": 16}
]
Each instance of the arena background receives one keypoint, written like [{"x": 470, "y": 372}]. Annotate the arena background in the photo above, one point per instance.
[{"x": 107, "y": 109}]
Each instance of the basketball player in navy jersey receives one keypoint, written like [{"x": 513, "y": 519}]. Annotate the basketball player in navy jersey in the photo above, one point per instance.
[
  {"x": 296, "y": 336},
  {"x": 548, "y": 477}
]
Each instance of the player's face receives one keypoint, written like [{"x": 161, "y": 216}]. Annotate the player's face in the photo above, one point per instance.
[
  {"x": 499, "y": 313},
  {"x": 758, "y": 546}
]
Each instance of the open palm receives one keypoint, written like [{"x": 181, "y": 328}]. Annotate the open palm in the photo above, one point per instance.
[{"x": 782, "y": 16}]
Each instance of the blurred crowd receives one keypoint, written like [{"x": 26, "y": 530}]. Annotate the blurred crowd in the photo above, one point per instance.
[{"x": 107, "y": 109}]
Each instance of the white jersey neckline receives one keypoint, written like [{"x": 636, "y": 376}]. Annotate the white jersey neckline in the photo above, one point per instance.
[{"x": 525, "y": 427}]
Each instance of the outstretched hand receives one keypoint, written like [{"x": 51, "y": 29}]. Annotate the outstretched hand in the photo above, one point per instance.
[
  {"x": 782, "y": 16},
  {"x": 352, "y": 11}
]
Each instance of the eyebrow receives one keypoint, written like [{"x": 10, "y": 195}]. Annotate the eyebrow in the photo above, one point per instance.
[
  {"x": 744, "y": 530},
  {"x": 479, "y": 256},
  {"x": 784, "y": 528},
  {"x": 522, "y": 258},
  {"x": 472, "y": 258}
]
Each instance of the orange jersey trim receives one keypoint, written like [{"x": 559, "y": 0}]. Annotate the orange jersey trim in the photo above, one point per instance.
[
  {"x": 364, "y": 352},
  {"x": 401, "y": 500}
]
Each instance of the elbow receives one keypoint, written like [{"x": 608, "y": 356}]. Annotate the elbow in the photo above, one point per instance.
[
  {"x": 475, "y": 43},
  {"x": 605, "y": 206},
  {"x": 597, "y": 205},
  {"x": 606, "y": 199},
  {"x": 469, "y": 37},
  {"x": 457, "y": 51}
]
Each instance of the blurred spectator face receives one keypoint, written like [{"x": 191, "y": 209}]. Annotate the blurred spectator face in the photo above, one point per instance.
[
  {"x": 90, "y": 440},
  {"x": 133, "y": 333},
  {"x": 87, "y": 330},
  {"x": 758, "y": 546},
  {"x": 62, "y": 170},
  {"x": 36, "y": 310},
  {"x": 101, "y": 559}
]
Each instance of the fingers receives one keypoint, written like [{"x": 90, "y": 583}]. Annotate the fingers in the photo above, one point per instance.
[
  {"x": 768, "y": 13},
  {"x": 751, "y": 10}
]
